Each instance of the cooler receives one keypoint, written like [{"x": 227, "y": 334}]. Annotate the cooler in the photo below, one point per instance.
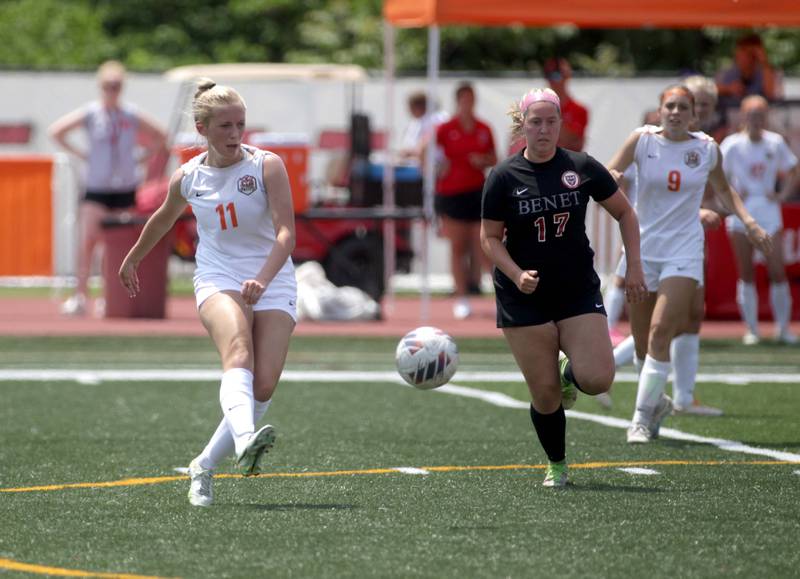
[{"x": 293, "y": 148}]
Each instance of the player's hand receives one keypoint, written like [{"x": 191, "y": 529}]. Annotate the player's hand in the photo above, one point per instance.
[
  {"x": 252, "y": 290},
  {"x": 710, "y": 219},
  {"x": 528, "y": 280},
  {"x": 759, "y": 238},
  {"x": 129, "y": 278},
  {"x": 635, "y": 288}
]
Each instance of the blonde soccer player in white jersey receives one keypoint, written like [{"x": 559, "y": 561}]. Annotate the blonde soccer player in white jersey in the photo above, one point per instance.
[
  {"x": 754, "y": 158},
  {"x": 244, "y": 282},
  {"x": 673, "y": 167}
]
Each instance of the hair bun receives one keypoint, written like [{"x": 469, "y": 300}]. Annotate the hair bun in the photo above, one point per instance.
[{"x": 204, "y": 84}]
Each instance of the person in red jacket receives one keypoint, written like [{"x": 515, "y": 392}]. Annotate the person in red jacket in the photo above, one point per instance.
[{"x": 467, "y": 150}]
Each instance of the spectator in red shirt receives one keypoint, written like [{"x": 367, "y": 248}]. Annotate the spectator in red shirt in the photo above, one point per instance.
[
  {"x": 574, "y": 116},
  {"x": 467, "y": 150}
]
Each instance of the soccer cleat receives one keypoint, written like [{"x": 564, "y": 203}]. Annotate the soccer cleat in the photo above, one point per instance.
[
  {"x": 604, "y": 400},
  {"x": 556, "y": 475},
  {"x": 462, "y": 309},
  {"x": 200, "y": 492},
  {"x": 74, "y": 306},
  {"x": 696, "y": 409},
  {"x": 260, "y": 442},
  {"x": 750, "y": 339},
  {"x": 786, "y": 337},
  {"x": 663, "y": 409},
  {"x": 638, "y": 433},
  {"x": 569, "y": 393}
]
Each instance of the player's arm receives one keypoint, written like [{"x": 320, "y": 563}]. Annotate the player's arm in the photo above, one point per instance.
[
  {"x": 623, "y": 158},
  {"x": 618, "y": 207},
  {"x": 732, "y": 202},
  {"x": 157, "y": 226},
  {"x": 791, "y": 182},
  {"x": 59, "y": 130},
  {"x": 492, "y": 244},
  {"x": 155, "y": 136},
  {"x": 276, "y": 182}
]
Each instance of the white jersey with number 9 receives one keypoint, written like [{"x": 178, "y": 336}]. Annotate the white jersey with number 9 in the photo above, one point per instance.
[{"x": 671, "y": 179}]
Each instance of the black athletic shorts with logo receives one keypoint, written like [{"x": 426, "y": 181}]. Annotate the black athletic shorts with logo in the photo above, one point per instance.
[{"x": 553, "y": 300}]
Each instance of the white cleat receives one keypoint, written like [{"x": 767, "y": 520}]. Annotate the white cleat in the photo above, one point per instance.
[
  {"x": 259, "y": 444},
  {"x": 663, "y": 409},
  {"x": 787, "y": 337},
  {"x": 638, "y": 433},
  {"x": 74, "y": 306},
  {"x": 750, "y": 339},
  {"x": 461, "y": 309},
  {"x": 201, "y": 493},
  {"x": 604, "y": 400}
]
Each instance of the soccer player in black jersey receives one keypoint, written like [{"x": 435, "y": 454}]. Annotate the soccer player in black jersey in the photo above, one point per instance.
[{"x": 548, "y": 294}]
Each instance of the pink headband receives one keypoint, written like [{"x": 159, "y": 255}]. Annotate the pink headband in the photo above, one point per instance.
[{"x": 539, "y": 95}]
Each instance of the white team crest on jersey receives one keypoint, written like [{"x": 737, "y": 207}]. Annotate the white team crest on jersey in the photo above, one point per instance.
[
  {"x": 570, "y": 179},
  {"x": 692, "y": 158},
  {"x": 247, "y": 184}
]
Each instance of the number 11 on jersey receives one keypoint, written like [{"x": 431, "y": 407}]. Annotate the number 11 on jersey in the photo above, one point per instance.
[{"x": 231, "y": 211}]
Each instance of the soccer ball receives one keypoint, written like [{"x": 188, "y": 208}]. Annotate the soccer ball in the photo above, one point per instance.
[{"x": 426, "y": 357}]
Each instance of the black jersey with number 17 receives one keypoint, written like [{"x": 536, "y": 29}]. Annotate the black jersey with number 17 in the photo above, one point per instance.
[{"x": 543, "y": 206}]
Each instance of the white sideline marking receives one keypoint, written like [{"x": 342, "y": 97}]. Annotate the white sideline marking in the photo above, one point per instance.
[
  {"x": 488, "y": 396},
  {"x": 411, "y": 470},
  {"x": 639, "y": 470},
  {"x": 505, "y": 401},
  {"x": 86, "y": 376}
]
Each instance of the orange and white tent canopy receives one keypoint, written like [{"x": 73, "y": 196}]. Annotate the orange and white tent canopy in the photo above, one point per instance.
[{"x": 594, "y": 13}]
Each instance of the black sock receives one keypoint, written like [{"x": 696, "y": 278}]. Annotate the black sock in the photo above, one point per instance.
[
  {"x": 552, "y": 432},
  {"x": 571, "y": 377}
]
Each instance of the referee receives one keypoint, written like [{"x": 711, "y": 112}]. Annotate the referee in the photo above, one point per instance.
[{"x": 547, "y": 291}]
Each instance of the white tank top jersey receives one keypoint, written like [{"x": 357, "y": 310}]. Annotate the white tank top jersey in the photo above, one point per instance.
[
  {"x": 234, "y": 223},
  {"x": 671, "y": 179},
  {"x": 752, "y": 166},
  {"x": 632, "y": 179},
  {"x": 112, "y": 162}
]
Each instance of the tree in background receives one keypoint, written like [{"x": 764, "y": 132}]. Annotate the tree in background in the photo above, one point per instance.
[{"x": 153, "y": 35}]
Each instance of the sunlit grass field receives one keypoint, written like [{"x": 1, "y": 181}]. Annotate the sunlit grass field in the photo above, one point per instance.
[{"x": 468, "y": 501}]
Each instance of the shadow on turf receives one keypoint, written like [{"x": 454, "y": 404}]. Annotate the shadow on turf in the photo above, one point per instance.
[
  {"x": 605, "y": 487},
  {"x": 292, "y": 507}
]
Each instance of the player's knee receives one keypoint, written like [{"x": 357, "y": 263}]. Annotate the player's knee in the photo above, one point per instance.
[
  {"x": 599, "y": 380},
  {"x": 237, "y": 353},
  {"x": 661, "y": 335}
]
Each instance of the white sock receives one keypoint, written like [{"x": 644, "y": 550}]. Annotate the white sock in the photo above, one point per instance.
[
  {"x": 637, "y": 364},
  {"x": 624, "y": 353},
  {"x": 236, "y": 399},
  {"x": 615, "y": 302},
  {"x": 747, "y": 299},
  {"x": 651, "y": 386},
  {"x": 684, "y": 351},
  {"x": 221, "y": 443},
  {"x": 781, "y": 300}
]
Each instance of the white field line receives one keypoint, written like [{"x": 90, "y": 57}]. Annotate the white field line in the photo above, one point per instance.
[
  {"x": 411, "y": 470},
  {"x": 639, "y": 470},
  {"x": 89, "y": 376},
  {"x": 488, "y": 396}
]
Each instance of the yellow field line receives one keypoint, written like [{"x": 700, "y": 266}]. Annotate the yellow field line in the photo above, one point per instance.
[
  {"x": 11, "y": 565},
  {"x": 586, "y": 465}
]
